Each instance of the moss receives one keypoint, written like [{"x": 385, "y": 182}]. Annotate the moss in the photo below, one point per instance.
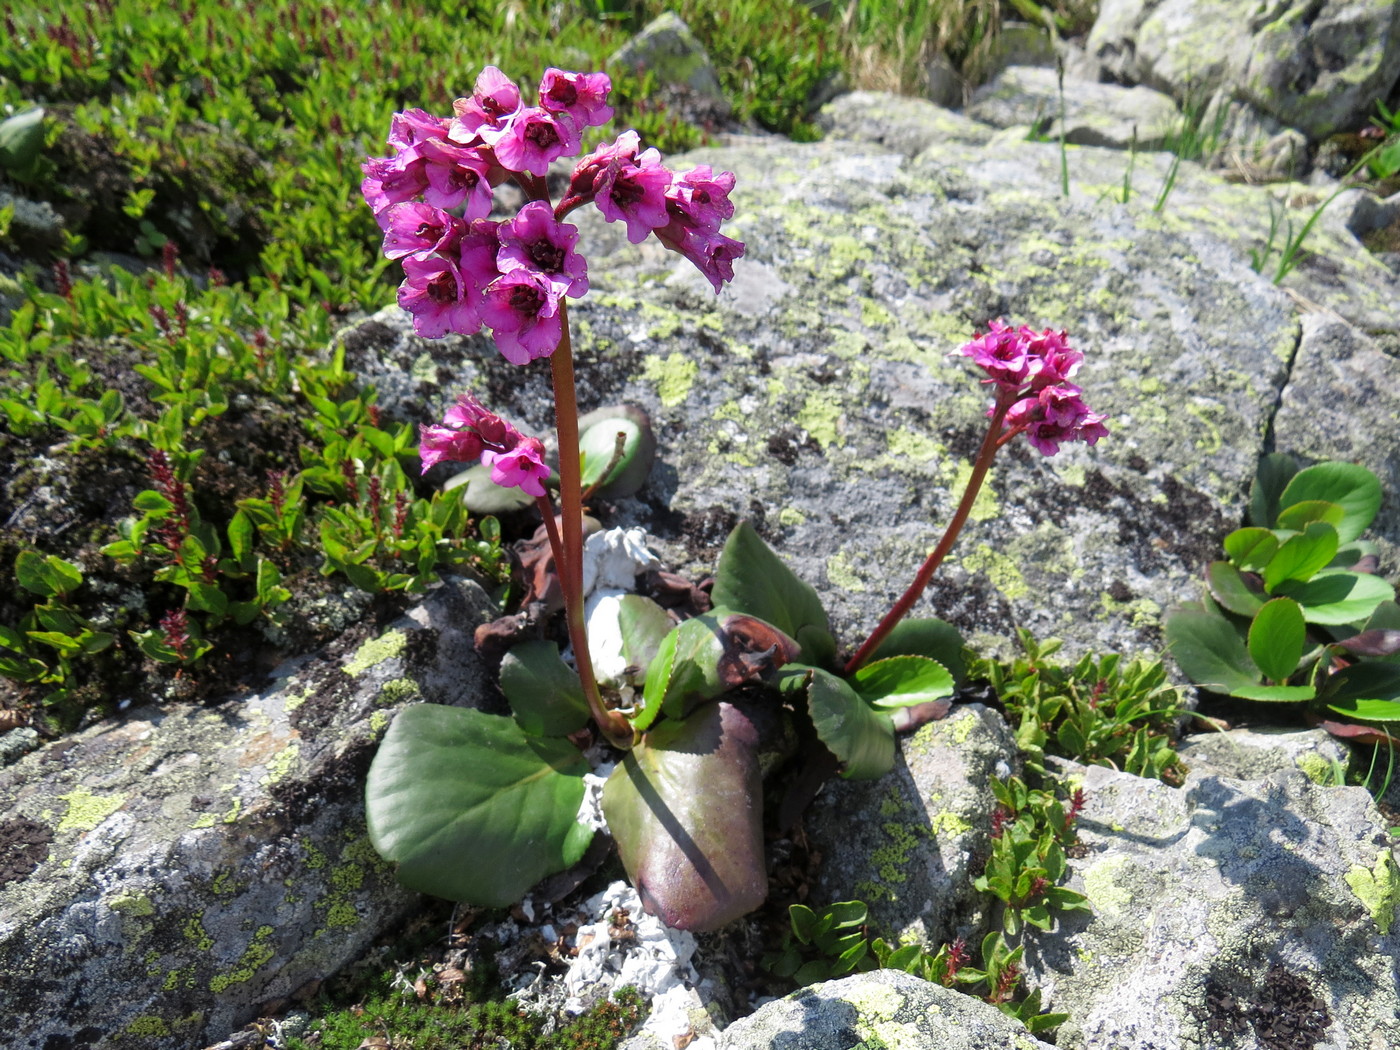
[
  {"x": 376, "y": 651},
  {"x": 672, "y": 375},
  {"x": 258, "y": 953},
  {"x": 1378, "y": 889},
  {"x": 86, "y": 810},
  {"x": 1317, "y": 769}
]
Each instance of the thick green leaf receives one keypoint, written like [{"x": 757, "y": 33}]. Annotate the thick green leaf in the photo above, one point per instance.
[
  {"x": 1270, "y": 479},
  {"x": 861, "y": 738},
  {"x": 598, "y": 446},
  {"x": 1251, "y": 548},
  {"x": 46, "y": 575},
  {"x": 544, "y": 692},
  {"x": 644, "y": 624},
  {"x": 1300, "y": 515},
  {"x": 1367, "y": 680},
  {"x": 1338, "y": 597},
  {"x": 1275, "y": 693},
  {"x": 1208, "y": 650},
  {"x": 150, "y": 501},
  {"x": 1231, "y": 590},
  {"x": 902, "y": 681},
  {"x": 931, "y": 637},
  {"x": 751, "y": 579},
  {"x": 624, "y": 631},
  {"x": 240, "y": 536},
  {"x": 1369, "y": 710},
  {"x": 1354, "y": 488},
  {"x": 1276, "y": 638},
  {"x": 1299, "y": 557},
  {"x": 470, "y": 807},
  {"x": 686, "y": 809}
]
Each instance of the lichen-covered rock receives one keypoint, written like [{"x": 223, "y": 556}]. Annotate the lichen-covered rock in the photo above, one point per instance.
[
  {"x": 1094, "y": 114},
  {"x": 898, "y": 123},
  {"x": 667, "y": 48},
  {"x": 167, "y": 877},
  {"x": 923, "y": 829},
  {"x": 884, "y": 1008},
  {"x": 1226, "y": 913},
  {"x": 1252, "y": 754},
  {"x": 1312, "y": 65}
]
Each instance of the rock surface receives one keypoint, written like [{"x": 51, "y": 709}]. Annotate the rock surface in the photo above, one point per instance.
[
  {"x": 1094, "y": 114},
  {"x": 172, "y": 875},
  {"x": 886, "y": 1008},
  {"x": 1226, "y": 912}
]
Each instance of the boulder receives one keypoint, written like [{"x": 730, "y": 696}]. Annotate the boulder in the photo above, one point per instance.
[
  {"x": 668, "y": 49},
  {"x": 1094, "y": 114},
  {"x": 1227, "y": 912},
  {"x": 172, "y": 875},
  {"x": 885, "y": 1008}
]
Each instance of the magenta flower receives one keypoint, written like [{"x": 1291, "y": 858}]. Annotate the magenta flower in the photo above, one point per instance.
[
  {"x": 1004, "y": 354},
  {"x": 393, "y": 180},
  {"x": 583, "y": 96},
  {"x": 712, "y": 253},
  {"x": 458, "y": 176},
  {"x": 416, "y": 227},
  {"x": 632, "y": 188},
  {"x": 1059, "y": 361},
  {"x": 477, "y": 252},
  {"x": 529, "y": 139},
  {"x": 534, "y": 240},
  {"x": 444, "y": 444},
  {"x": 700, "y": 197},
  {"x": 494, "y": 98},
  {"x": 522, "y": 310},
  {"x": 413, "y": 126},
  {"x": 435, "y": 294},
  {"x": 523, "y": 467}
]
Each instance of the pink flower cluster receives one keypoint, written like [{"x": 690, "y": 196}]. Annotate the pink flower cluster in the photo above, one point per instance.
[
  {"x": 1032, "y": 371},
  {"x": 464, "y": 271},
  {"x": 469, "y": 432}
]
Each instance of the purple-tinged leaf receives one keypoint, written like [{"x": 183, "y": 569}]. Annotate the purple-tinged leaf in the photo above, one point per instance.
[
  {"x": 1232, "y": 589},
  {"x": 685, "y": 806},
  {"x": 1358, "y": 734},
  {"x": 1372, "y": 643}
]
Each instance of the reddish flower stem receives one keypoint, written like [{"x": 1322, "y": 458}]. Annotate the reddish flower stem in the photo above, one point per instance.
[
  {"x": 568, "y": 553},
  {"x": 990, "y": 443}
]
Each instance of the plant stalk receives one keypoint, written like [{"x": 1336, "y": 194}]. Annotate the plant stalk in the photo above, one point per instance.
[
  {"x": 991, "y": 441},
  {"x": 568, "y": 560}
]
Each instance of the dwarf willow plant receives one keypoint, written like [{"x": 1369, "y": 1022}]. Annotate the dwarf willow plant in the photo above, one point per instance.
[
  {"x": 1294, "y": 612},
  {"x": 478, "y": 807}
]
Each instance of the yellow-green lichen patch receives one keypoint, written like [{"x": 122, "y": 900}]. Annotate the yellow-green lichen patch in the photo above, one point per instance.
[
  {"x": 397, "y": 691},
  {"x": 86, "y": 810},
  {"x": 1317, "y": 769},
  {"x": 281, "y": 764},
  {"x": 985, "y": 505},
  {"x": 820, "y": 415},
  {"x": 791, "y": 517},
  {"x": 341, "y": 913},
  {"x": 960, "y": 730},
  {"x": 196, "y": 934},
  {"x": 315, "y": 859},
  {"x": 913, "y": 452},
  {"x": 1101, "y": 886},
  {"x": 1378, "y": 889},
  {"x": 673, "y": 376},
  {"x": 258, "y": 953},
  {"x": 841, "y": 574},
  {"x": 148, "y": 1025},
  {"x": 1140, "y": 612},
  {"x": 998, "y": 568},
  {"x": 131, "y": 904},
  {"x": 376, "y": 651},
  {"x": 378, "y": 722}
]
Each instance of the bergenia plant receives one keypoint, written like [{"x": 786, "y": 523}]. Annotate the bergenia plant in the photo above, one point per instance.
[
  {"x": 1295, "y": 613},
  {"x": 479, "y": 807}
]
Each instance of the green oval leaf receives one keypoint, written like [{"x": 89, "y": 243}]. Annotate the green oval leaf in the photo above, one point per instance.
[
  {"x": 751, "y": 579},
  {"x": 1276, "y": 638},
  {"x": 1354, "y": 488},
  {"x": 1209, "y": 650},
  {"x": 1301, "y": 556},
  {"x": 1369, "y": 710},
  {"x": 484, "y": 496},
  {"x": 1270, "y": 479},
  {"x": 862, "y": 739},
  {"x": 1368, "y": 680},
  {"x": 545, "y": 694},
  {"x": 1251, "y": 548},
  {"x": 686, "y": 808},
  {"x": 1300, "y": 515},
  {"x": 1338, "y": 597},
  {"x": 902, "y": 681},
  {"x": 929, "y": 636},
  {"x": 1231, "y": 590},
  {"x": 470, "y": 807},
  {"x": 598, "y": 432}
]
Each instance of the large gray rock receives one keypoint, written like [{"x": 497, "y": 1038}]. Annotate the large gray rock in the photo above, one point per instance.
[
  {"x": 1312, "y": 65},
  {"x": 1226, "y": 913},
  {"x": 884, "y": 1009},
  {"x": 1094, "y": 114},
  {"x": 175, "y": 874},
  {"x": 924, "y": 831},
  {"x": 668, "y": 49}
]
